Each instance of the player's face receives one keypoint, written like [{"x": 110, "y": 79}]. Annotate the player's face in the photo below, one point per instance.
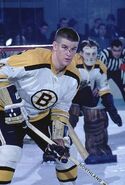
[
  {"x": 64, "y": 51},
  {"x": 90, "y": 55},
  {"x": 116, "y": 51}
]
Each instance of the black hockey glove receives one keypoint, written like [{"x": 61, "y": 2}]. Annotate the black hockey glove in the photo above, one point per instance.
[
  {"x": 107, "y": 101},
  {"x": 59, "y": 150}
]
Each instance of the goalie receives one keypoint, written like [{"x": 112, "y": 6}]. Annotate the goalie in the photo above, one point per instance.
[
  {"x": 46, "y": 81},
  {"x": 86, "y": 100}
]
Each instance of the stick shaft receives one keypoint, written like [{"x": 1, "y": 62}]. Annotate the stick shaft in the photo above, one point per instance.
[
  {"x": 81, "y": 165},
  {"x": 81, "y": 149}
]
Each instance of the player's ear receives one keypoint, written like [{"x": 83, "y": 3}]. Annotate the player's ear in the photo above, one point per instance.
[{"x": 54, "y": 45}]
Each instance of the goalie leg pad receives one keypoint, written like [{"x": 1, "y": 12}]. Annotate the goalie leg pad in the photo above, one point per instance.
[
  {"x": 74, "y": 109},
  {"x": 9, "y": 157},
  {"x": 96, "y": 134},
  {"x": 74, "y": 114}
]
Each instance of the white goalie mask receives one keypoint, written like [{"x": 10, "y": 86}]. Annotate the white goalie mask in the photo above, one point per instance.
[{"x": 90, "y": 55}]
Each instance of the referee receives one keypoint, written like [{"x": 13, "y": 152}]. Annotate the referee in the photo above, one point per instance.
[{"x": 113, "y": 58}]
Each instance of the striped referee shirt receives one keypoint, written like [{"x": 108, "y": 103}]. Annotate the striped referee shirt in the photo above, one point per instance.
[{"x": 113, "y": 64}]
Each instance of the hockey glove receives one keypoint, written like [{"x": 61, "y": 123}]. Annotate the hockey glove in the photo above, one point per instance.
[
  {"x": 13, "y": 115},
  {"x": 12, "y": 104},
  {"x": 59, "y": 150},
  {"x": 60, "y": 136},
  {"x": 107, "y": 101}
]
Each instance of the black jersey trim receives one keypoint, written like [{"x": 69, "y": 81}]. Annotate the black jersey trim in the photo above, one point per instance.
[
  {"x": 73, "y": 75},
  {"x": 97, "y": 67},
  {"x": 38, "y": 66},
  {"x": 66, "y": 170},
  {"x": 79, "y": 66},
  {"x": 7, "y": 168}
]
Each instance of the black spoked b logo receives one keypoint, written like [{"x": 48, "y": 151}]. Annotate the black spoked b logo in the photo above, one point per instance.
[{"x": 44, "y": 99}]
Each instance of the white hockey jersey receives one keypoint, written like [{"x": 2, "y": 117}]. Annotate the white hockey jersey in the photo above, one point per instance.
[
  {"x": 37, "y": 83},
  {"x": 96, "y": 76}
]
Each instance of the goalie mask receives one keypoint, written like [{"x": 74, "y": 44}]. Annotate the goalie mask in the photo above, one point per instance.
[
  {"x": 90, "y": 55},
  {"x": 89, "y": 51}
]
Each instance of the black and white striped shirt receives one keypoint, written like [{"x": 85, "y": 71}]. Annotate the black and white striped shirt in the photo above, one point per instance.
[{"x": 112, "y": 64}]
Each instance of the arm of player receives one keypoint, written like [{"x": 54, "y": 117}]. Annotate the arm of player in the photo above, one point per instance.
[{"x": 108, "y": 102}]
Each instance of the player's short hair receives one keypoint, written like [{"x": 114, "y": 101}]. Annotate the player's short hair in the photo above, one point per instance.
[
  {"x": 89, "y": 43},
  {"x": 116, "y": 42},
  {"x": 67, "y": 33}
]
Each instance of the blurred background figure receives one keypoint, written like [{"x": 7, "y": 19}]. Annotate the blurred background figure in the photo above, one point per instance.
[
  {"x": 2, "y": 40},
  {"x": 41, "y": 34},
  {"x": 19, "y": 40},
  {"x": 102, "y": 38},
  {"x": 2, "y": 34},
  {"x": 63, "y": 22},
  {"x": 112, "y": 29},
  {"x": 73, "y": 23},
  {"x": 30, "y": 34},
  {"x": 94, "y": 31}
]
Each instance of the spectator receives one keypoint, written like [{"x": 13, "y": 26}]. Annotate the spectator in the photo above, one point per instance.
[
  {"x": 2, "y": 40},
  {"x": 30, "y": 34},
  {"x": 102, "y": 38},
  {"x": 73, "y": 23},
  {"x": 41, "y": 34},
  {"x": 95, "y": 29},
  {"x": 63, "y": 22},
  {"x": 112, "y": 30},
  {"x": 19, "y": 40}
]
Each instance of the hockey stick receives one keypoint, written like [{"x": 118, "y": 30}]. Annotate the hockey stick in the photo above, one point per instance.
[
  {"x": 81, "y": 165},
  {"x": 81, "y": 149}
]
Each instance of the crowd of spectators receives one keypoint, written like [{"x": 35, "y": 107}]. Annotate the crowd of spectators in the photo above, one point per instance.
[{"x": 102, "y": 31}]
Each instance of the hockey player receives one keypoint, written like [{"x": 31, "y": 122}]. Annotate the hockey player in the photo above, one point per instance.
[
  {"x": 93, "y": 73},
  {"x": 43, "y": 81}
]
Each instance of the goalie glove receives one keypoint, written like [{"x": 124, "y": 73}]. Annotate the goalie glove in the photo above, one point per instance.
[{"x": 107, "y": 101}]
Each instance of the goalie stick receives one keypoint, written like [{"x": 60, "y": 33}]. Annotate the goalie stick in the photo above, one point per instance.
[{"x": 81, "y": 165}]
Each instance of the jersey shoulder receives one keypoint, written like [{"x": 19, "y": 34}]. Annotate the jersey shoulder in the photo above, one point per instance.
[
  {"x": 31, "y": 57},
  {"x": 101, "y": 66},
  {"x": 73, "y": 71},
  {"x": 78, "y": 59}
]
